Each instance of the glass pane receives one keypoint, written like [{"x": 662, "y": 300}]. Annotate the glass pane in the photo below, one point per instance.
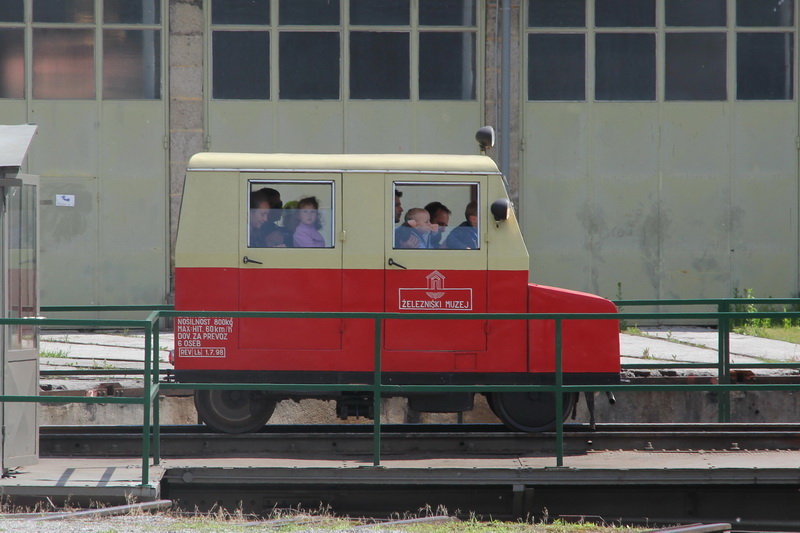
[
  {"x": 239, "y": 11},
  {"x": 764, "y": 66},
  {"x": 12, "y": 11},
  {"x": 12, "y": 63},
  {"x": 438, "y": 216},
  {"x": 309, "y": 66},
  {"x": 63, "y": 11},
  {"x": 291, "y": 215},
  {"x": 764, "y": 12},
  {"x": 132, "y": 11},
  {"x": 385, "y": 12},
  {"x": 131, "y": 64},
  {"x": 556, "y": 67},
  {"x": 22, "y": 263},
  {"x": 695, "y": 66},
  {"x": 557, "y": 13},
  {"x": 379, "y": 65},
  {"x": 696, "y": 13},
  {"x": 63, "y": 63},
  {"x": 309, "y": 12},
  {"x": 625, "y": 66},
  {"x": 240, "y": 61},
  {"x": 447, "y": 12},
  {"x": 447, "y": 66},
  {"x": 625, "y": 13}
]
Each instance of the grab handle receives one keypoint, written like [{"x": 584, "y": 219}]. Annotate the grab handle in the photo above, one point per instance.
[{"x": 392, "y": 262}]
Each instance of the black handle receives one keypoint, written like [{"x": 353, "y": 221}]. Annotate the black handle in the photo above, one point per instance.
[
  {"x": 246, "y": 260},
  {"x": 392, "y": 262}
]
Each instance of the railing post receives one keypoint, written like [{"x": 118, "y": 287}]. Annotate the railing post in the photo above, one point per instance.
[
  {"x": 723, "y": 372},
  {"x": 146, "y": 399},
  {"x": 559, "y": 399},
  {"x": 155, "y": 320},
  {"x": 376, "y": 396}
]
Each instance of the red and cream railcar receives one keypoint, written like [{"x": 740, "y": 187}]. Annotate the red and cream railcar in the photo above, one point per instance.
[{"x": 242, "y": 246}]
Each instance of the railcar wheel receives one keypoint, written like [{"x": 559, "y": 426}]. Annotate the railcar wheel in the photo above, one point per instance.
[
  {"x": 529, "y": 411},
  {"x": 233, "y": 411}
]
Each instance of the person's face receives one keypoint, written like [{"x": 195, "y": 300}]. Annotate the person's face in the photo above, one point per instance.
[
  {"x": 398, "y": 209},
  {"x": 308, "y": 215},
  {"x": 259, "y": 215},
  {"x": 423, "y": 222},
  {"x": 473, "y": 220},
  {"x": 442, "y": 219}
]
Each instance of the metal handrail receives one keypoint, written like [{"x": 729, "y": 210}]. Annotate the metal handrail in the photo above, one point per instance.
[{"x": 153, "y": 385}]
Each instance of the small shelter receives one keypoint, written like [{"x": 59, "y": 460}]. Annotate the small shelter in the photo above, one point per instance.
[{"x": 19, "y": 297}]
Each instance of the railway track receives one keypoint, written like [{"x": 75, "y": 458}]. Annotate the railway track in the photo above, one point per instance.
[{"x": 451, "y": 439}]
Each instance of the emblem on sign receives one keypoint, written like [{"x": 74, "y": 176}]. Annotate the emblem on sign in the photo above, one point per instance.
[{"x": 435, "y": 297}]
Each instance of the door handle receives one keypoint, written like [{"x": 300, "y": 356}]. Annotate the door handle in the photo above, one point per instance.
[
  {"x": 392, "y": 262},
  {"x": 246, "y": 260}
]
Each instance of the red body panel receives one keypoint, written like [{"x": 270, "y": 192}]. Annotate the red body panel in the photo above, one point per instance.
[
  {"x": 431, "y": 346},
  {"x": 587, "y": 345}
]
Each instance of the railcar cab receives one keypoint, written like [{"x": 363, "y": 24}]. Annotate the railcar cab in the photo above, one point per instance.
[{"x": 328, "y": 233}]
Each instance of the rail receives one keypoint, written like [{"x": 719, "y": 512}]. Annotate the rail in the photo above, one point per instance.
[{"x": 153, "y": 385}]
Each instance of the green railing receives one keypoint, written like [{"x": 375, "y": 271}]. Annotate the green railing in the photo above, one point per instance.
[{"x": 153, "y": 385}]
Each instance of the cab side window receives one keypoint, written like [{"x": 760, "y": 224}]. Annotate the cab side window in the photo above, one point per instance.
[
  {"x": 436, "y": 216},
  {"x": 290, "y": 214}
]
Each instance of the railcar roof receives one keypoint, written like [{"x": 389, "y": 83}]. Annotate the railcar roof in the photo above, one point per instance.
[{"x": 343, "y": 162}]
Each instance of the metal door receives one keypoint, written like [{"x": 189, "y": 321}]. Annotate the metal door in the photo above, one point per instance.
[
  {"x": 19, "y": 231},
  {"x": 436, "y": 279},
  {"x": 295, "y": 274}
]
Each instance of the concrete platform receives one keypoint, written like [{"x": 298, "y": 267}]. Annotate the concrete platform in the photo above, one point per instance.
[
  {"x": 749, "y": 487},
  {"x": 110, "y": 480}
]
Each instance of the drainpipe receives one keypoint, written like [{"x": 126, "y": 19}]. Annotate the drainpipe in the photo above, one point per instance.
[{"x": 505, "y": 91}]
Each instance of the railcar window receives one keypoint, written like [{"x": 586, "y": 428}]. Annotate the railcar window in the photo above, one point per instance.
[
  {"x": 557, "y": 14},
  {"x": 296, "y": 214},
  {"x": 436, "y": 216}
]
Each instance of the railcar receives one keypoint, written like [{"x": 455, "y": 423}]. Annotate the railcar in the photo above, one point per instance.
[{"x": 249, "y": 239}]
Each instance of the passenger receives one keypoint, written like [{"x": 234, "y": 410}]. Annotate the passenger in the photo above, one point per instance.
[
  {"x": 465, "y": 235},
  {"x": 289, "y": 222},
  {"x": 259, "y": 215},
  {"x": 398, "y": 206},
  {"x": 440, "y": 215},
  {"x": 307, "y": 234},
  {"x": 274, "y": 236},
  {"x": 415, "y": 232}
]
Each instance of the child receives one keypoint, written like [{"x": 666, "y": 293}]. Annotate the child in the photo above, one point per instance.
[
  {"x": 415, "y": 232},
  {"x": 307, "y": 234}
]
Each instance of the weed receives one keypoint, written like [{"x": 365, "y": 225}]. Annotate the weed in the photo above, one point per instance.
[{"x": 58, "y": 354}]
